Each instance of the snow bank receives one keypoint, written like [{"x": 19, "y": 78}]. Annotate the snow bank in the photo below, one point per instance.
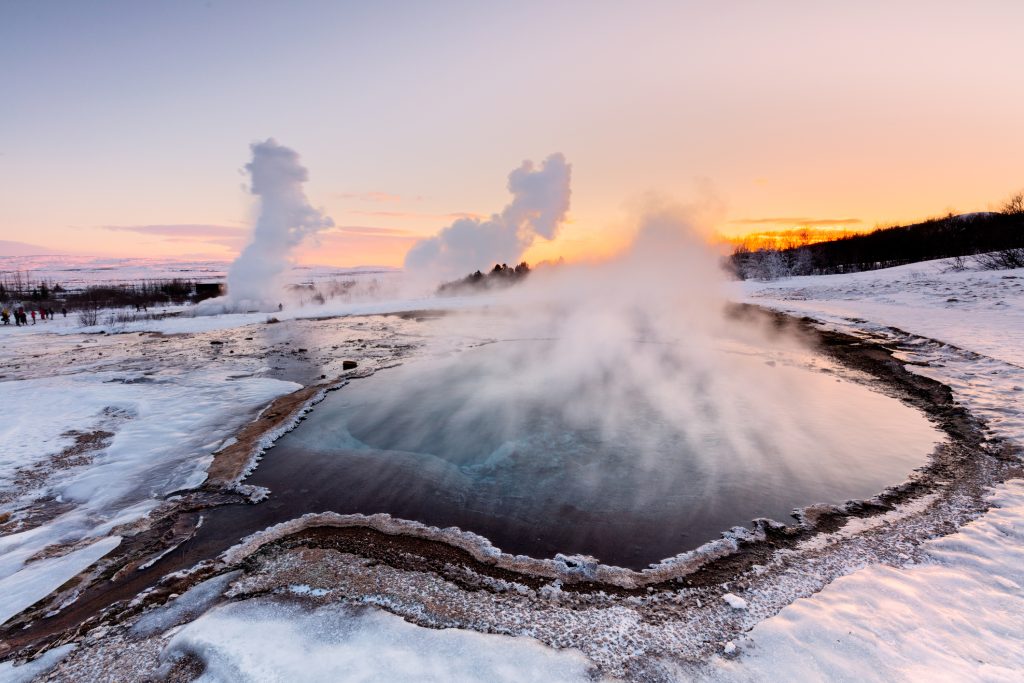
[
  {"x": 982, "y": 311},
  {"x": 260, "y": 640},
  {"x": 959, "y": 615},
  {"x": 961, "y": 618}
]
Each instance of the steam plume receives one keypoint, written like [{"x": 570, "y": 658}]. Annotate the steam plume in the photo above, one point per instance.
[
  {"x": 539, "y": 205},
  {"x": 285, "y": 219}
]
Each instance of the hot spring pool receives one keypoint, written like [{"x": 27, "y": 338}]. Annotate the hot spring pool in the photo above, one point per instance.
[{"x": 629, "y": 469}]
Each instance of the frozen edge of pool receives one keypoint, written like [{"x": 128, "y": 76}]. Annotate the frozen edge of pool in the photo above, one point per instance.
[{"x": 581, "y": 568}]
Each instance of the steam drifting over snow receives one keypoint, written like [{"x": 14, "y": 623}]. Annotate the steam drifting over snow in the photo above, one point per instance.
[
  {"x": 538, "y": 208},
  {"x": 285, "y": 219}
]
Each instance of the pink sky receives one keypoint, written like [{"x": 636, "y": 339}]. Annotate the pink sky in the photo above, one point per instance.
[{"x": 124, "y": 126}]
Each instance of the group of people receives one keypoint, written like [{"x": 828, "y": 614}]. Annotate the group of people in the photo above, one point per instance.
[{"x": 21, "y": 316}]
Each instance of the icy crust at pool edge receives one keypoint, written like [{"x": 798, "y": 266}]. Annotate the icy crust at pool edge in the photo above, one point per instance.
[{"x": 567, "y": 569}]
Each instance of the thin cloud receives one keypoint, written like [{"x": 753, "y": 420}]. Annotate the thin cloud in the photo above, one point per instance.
[
  {"x": 413, "y": 214},
  {"x": 221, "y": 235},
  {"x": 370, "y": 230},
  {"x": 199, "y": 230},
  {"x": 803, "y": 222},
  {"x": 372, "y": 196}
]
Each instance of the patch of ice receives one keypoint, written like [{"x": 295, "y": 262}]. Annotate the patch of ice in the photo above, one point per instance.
[
  {"x": 191, "y": 604},
  {"x": 30, "y": 585},
  {"x": 305, "y": 589}
]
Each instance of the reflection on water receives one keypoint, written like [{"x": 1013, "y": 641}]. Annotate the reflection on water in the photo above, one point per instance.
[{"x": 601, "y": 465}]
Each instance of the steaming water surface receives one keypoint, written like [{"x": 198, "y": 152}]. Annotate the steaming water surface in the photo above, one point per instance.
[{"x": 544, "y": 469}]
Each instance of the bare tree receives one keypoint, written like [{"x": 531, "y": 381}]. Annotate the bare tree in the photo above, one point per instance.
[
  {"x": 766, "y": 265},
  {"x": 89, "y": 315},
  {"x": 1003, "y": 259},
  {"x": 1014, "y": 206}
]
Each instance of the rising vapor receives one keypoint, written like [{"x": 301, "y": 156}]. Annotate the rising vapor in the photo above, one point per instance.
[
  {"x": 538, "y": 208},
  {"x": 285, "y": 219}
]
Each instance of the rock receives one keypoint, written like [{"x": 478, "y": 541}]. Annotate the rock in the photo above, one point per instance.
[
  {"x": 735, "y": 601},
  {"x": 729, "y": 648},
  {"x": 217, "y": 342},
  {"x": 348, "y": 364}
]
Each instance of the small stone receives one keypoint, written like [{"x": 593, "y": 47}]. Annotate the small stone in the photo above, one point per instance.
[
  {"x": 729, "y": 648},
  {"x": 348, "y": 364},
  {"x": 735, "y": 601}
]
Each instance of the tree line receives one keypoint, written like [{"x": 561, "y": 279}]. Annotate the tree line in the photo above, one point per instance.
[
  {"x": 18, "y": 287},
  {"x": 502, "y": 275},
  {"x": 992, "y": 239}
]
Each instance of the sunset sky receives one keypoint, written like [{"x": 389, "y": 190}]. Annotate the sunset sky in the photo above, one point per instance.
[{"x": 124, "y": 125}]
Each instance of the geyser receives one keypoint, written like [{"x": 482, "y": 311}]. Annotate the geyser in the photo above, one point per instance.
[
  {"x": 285, "y": 219},
  {"x": 540, "y": 201},
  {"x": 613, "y": 409}
]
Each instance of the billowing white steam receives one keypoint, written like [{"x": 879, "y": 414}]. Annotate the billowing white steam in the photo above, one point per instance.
[
  {"x": 285, "y": 219},
  {"x": 539, "y": 205},
  {"x": 643, "y": 352}
]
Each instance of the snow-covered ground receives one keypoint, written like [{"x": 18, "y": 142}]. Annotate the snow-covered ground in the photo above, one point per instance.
[
  {"x": 87, "y": 452},
  {"x": 960, "y": 614},
  {"x": 96, "y": 430},
  {"x": 955, "y": 612},
  {"x": 340, "y": 643},
  {"x": 73, "y": 272},
  {"x": 980, "y": 311}
]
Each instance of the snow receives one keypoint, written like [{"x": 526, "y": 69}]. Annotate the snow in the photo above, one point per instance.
[
  {"x": 24, "y": 588},
  {"x": 959, "y": 614},
  {"x": 979, "y": 310},
  {"x": 79, "y": 271},
  {"x": 184, "y": 320},
  {"x": 11, "y": 673},
  {"x": 339, "y": 643},
  {"x": 156, "y": 432},
  {"x": 960, "y": 617},
  {"x": 735, "y": 601}
]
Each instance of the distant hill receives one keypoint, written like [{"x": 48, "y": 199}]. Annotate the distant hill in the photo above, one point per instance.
[{"x": 950, "y": 236}]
